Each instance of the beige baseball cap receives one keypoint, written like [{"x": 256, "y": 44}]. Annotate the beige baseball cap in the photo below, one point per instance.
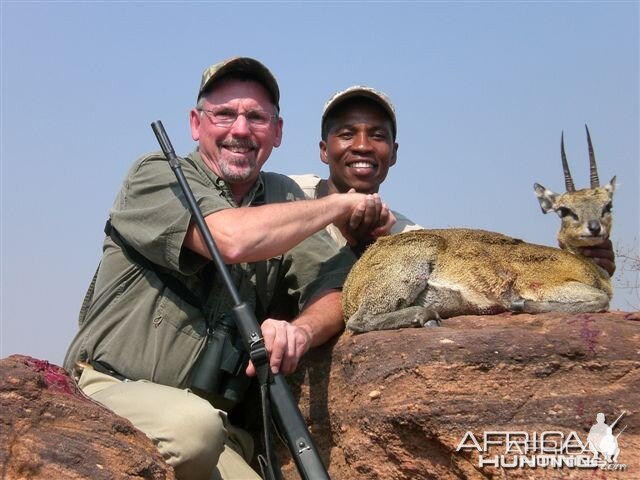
[
  {"x": 244, "y": 65},
  {"x": 361, "y": 91}
]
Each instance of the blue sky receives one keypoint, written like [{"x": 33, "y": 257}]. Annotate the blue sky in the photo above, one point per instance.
[{"x": 482, "y": 90}]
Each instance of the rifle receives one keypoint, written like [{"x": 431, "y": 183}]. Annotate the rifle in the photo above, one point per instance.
[
  {"x": 617, "y": 419},
  {"x": 288, "y": 419},
  {"x": 620, "y": 432}
]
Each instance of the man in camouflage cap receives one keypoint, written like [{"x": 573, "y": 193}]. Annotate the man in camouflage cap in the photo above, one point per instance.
[
  {"x": 141, "y": 336},
  {"x": 358, "y": 143}
]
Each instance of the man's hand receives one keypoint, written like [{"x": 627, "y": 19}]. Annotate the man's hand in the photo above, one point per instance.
[
  {"x": 286, "y": 343},
  {"x": 602, "y": 254},
  {"x": 369, "y": 220},
  {"x": 387, "y": 220}
]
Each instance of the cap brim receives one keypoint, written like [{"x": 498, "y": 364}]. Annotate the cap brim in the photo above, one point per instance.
[
  {"x": 242, "y": 65},
  {"x": 361, "y": 92}
]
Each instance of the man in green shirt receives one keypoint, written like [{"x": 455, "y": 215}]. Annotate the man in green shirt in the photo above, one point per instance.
[{"x": 141, "y": 335}]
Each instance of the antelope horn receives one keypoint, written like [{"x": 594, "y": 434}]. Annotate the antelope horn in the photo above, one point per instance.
[
  {"x": 595, "y": 181},
  {"x": 568, "y": 181}
]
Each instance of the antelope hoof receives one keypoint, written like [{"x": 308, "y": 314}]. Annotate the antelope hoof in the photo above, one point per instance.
[
  {"x": 431, "y": 319},
  {"x": 517, "y": 306}
]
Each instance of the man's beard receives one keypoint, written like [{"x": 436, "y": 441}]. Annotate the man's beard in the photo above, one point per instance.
[{"x": 235, "y": 169}]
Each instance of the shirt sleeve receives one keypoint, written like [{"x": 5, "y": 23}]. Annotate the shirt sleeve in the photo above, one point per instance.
[
  {"x": 152, "y": 214},
  {"x": 308, "y": 183},
  {"x": 403, "y": 224},
  {"x": 315, "y": 266}
]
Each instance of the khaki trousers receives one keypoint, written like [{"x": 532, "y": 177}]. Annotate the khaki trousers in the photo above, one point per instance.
[{"x": 192, "y": 436}]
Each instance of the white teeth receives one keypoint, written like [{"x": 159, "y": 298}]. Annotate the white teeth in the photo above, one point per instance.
[
  {"x": 361, "y": 165},
  {"x": 238, "y": 150}
]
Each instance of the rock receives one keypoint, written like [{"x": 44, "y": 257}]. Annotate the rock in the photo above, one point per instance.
[
  {"x": 529, "y": 373},
  {"x": 51, "y": 430}
]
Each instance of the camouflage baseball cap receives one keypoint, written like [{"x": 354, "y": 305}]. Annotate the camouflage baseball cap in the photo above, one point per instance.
[
  {"x": 361, "y": 91},
  {"x": 242, "y": 65}
]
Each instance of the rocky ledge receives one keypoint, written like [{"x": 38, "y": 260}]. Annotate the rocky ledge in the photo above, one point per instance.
[
  {"x": 397, "y": 404},
  {"x": 51, "y": 430}
]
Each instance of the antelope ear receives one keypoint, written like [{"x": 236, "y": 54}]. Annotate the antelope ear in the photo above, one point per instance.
[
  {"x": 546, "y": 197},
  {"x": 611, "y": 186}
]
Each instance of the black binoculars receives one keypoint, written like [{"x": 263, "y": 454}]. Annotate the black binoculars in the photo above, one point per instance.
[{"x": 221, "y": 365}]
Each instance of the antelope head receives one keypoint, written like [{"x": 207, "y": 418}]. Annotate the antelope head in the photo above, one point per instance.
[{"x": 585, "y": 214}]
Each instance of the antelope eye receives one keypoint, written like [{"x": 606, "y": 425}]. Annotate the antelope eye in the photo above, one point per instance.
[
  {"x": 607, "y": 208},
  {"x": 564, "y": 212}
]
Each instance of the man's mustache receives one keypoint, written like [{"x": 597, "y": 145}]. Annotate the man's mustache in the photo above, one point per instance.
[{"x": 239, "y": 143}]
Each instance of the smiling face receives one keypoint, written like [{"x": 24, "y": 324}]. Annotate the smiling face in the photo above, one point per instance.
[
  {"x": 359, "y": 147},
  {"x": 236, "y": 153}
]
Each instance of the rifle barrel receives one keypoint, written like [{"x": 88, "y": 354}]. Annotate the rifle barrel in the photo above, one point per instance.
[{"x": 617, "y": 419}]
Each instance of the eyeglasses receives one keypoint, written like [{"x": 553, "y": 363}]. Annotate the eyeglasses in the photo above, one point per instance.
[{"x": 225, "y": 117}]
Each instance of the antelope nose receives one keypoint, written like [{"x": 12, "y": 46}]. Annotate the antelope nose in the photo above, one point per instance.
[{"x": 594, "y": 227}]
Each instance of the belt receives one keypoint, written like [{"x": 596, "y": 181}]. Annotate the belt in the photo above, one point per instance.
[{"x": 107, "y": 370}]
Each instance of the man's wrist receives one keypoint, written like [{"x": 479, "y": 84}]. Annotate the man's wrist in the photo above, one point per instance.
[
  {"x": 340, "y": 206},
  {"x": 359, "y": 248},
  {"x": 307, "y": 331}
]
